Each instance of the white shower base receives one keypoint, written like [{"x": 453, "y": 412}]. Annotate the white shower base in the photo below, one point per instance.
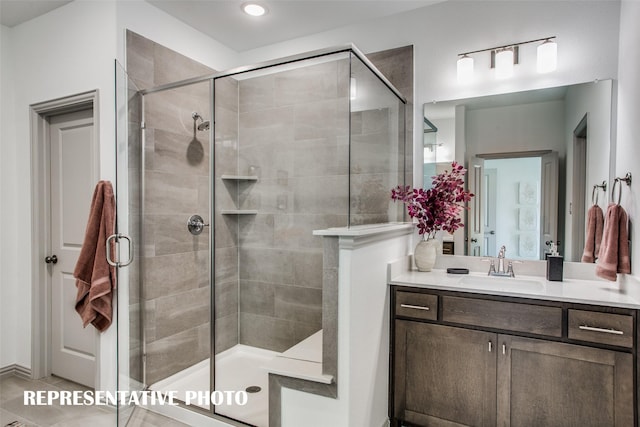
[
  {"x": 242, "y": 366},
  {"x": 236, "y": 369}
]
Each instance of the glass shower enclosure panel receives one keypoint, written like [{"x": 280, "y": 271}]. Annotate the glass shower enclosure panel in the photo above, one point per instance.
[
  {"x": 128, "y": 191},
  {"x": 265, "y": 155},
  {"x": 176, "y": 291},
  {"x": 281, "y": 171},
  {"x": 377, "y": 148}
]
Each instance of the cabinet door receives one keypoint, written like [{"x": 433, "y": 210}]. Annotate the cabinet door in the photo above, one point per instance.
[
  {"x": 444, "y": 376},
  {"x": 544, "y": 383}
]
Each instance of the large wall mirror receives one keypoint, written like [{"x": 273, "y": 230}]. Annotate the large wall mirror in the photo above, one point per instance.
[{"x": 537, "y": 161}]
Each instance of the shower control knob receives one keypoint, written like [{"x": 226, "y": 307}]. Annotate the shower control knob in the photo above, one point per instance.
[
  {"x": 51, "y": 259},
  {"x": 196, "y": 224}
]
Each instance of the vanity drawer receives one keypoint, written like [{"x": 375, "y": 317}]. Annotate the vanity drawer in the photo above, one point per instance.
[
  {"x": 529, "y": 318},
  {"x": 603, "y": 328},
  {"x": 417, "y": 305}
]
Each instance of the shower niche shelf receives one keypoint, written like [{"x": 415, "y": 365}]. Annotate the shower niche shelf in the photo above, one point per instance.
[
  {"x": 239, "y": 177},
  {"x": 239, "y": 212}
]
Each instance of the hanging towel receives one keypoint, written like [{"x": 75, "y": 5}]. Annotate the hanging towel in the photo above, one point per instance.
[
  {"x": 614, "y": 250},
  {"x": 95, "y": 278},
  {"x": 595, "y": 224}
]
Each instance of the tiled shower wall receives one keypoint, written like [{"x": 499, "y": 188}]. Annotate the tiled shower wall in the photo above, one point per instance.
[
  {"x": 293, "y": 134},
  {"x": 291, "y": 129},
  {"x": 176, "y": 179},
  {"x": 226, "y": 226}
]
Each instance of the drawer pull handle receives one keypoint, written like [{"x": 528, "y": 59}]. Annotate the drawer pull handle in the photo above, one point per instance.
[
  {"x": 606, "y": 331},
  {"x": 415, "y": 307}
]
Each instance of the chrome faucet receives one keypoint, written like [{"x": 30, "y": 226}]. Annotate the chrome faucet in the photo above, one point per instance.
[{"x": 501, "y": 270}]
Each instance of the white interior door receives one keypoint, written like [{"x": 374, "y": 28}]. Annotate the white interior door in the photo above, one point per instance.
[
  {"x": 73, "y": 348},
  {"x": 490, "y": 206},
  {"x": 549, "y": 205},
  {"x": 475, "y": 232}
]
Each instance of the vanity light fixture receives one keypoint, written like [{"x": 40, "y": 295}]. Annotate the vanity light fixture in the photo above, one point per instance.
[
  {"x": 465, "y": 69},
  {"x": 503, "y": 58},
  {"x": 547, "y": 56},
  {"x": 253, "y": 9}
]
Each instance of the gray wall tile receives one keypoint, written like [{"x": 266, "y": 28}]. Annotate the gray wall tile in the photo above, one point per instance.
[
  {"x": 180, "y": 312},
  {"x": 266, "y": 332},
  {"x": 257, "y": 297},
  {"x": 299, "y": 304},
  {"x": 168, "y": 355},
  {"x": 226, "y": 333}
]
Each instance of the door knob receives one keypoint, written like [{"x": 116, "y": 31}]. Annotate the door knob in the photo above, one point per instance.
[
  {"x": 51, "y": 259},
  {"x": 474, "y": 240},
  {"x": 492, "y": 232}
]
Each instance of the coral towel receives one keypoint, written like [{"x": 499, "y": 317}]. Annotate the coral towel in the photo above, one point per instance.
[
  {"x": 95, "y": 278},
  {"x": 614, "y": 250},
  {"x": 595, "y": 224}
]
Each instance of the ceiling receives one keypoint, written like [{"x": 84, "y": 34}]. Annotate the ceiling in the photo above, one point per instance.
[
  {"x": 224, "y": 21},
  {"x": 14, "y": 12}
]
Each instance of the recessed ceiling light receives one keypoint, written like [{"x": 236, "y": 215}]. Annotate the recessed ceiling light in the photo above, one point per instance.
[{"x": 254, "y": 9}]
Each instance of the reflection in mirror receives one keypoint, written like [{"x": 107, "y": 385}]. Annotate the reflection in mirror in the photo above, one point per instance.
[{"x": 534, "y": 158}]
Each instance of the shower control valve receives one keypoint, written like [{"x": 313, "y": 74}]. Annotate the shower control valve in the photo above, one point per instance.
[{"x": 196, "y": 224}]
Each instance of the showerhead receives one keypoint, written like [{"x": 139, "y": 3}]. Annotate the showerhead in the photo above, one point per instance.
[{"x": 204, "y": 125}]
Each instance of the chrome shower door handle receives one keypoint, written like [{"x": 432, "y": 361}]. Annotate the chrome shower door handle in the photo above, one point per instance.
[
  {"x": 196, "y": 224},
  {"x": 117, "y": 238}
]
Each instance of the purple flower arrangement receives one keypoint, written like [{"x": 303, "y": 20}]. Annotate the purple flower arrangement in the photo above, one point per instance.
[{"x": 439, "y": 207}]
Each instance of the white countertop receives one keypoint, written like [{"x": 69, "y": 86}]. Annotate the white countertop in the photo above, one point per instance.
[{"x": 595, "y": 292}]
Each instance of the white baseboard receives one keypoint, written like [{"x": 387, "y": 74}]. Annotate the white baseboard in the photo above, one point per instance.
[{"x": 17, "y": 370}]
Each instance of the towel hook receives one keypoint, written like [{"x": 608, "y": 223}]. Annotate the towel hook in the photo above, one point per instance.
[
  {"x": 594, "y": 193},
  {"x": 626, "y": 179}
]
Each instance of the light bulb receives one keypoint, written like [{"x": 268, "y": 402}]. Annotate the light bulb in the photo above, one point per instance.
[
  {"x": 253, "y": 9},
  {"x": 504, "y": 63},
  {"x": 465, "y": 69},
  {"x": 547, "y": 56}
]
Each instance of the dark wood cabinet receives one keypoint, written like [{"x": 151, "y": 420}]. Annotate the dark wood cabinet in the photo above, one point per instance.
[
  {"x": 451, "y": 369},
  {"x": 444, "y": 375},
  {"x": 543, "y": 383}
]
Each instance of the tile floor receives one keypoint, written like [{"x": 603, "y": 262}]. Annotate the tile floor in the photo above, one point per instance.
[{"x": 12, "y": 408}]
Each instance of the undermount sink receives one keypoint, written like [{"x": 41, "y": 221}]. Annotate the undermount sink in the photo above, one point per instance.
[{"x": 502, "y": 283}]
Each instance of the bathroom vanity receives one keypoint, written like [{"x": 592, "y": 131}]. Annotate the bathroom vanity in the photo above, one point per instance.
[{"x": 472, "y": 350}]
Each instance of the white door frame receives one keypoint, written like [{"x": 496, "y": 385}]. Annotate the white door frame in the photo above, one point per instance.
[{"x": 40, "y": 219}]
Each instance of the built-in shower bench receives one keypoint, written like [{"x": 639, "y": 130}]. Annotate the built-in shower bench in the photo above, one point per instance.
[
  {"x": 303, "y": 360},
  {"x": 349, "y": 385}
]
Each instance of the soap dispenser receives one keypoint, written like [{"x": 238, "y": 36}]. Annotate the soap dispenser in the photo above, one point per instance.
[{"x": 555, "y": 263}]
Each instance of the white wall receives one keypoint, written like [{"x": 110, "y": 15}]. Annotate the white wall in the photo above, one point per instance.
[
  {"x": 524, "y": 127},
  {"x": 155, "y": 24},
  {"x": 628, "y": 141},
  {"x": 67, "y": 51},
  {"x": 587, "y": 36},
  {"x": 8, "y": 231},
  {"x": 594, "y": 100}
]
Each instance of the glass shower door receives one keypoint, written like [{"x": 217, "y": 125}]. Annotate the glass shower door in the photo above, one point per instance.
[{"x": 128, "y": 196}]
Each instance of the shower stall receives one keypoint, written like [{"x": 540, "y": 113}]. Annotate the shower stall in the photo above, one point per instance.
[{"x": 221, "y": 181}]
